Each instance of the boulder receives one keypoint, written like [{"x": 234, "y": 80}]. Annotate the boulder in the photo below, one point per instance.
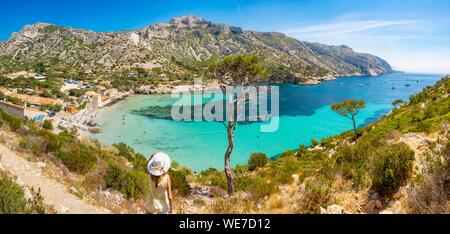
[
  {"x": 335, "y": 209},
  {"x": 41, "y": 164},
  {"x": 74, "y": 190},
  {"x": 372, "y": 205}
]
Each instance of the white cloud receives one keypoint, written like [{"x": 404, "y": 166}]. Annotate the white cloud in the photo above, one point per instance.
[
  {"x": 345, "y": 27},
  {"x": 407, "y": 44}
]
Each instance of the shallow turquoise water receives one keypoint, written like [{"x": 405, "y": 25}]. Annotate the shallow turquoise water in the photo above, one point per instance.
[{"x": 304, "y": 114}]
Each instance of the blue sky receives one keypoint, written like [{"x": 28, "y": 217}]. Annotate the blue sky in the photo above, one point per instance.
[{"x": 413, "y": 35}]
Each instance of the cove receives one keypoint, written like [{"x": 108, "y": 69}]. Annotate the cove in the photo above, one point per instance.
[{"x": 142, "y": 121}]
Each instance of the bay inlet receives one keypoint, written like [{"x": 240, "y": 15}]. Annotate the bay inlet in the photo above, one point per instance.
[{"x": 141, "y": 121}]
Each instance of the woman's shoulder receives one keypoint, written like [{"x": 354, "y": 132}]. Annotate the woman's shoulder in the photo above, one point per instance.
[{"x": 166, "y": 177}]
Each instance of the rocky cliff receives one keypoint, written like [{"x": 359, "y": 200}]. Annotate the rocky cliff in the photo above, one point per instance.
[{"x": 174, "y": 46}]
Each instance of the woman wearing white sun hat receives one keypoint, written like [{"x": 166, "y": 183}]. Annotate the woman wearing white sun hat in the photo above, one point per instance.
[{"x": 159, "y": 199}]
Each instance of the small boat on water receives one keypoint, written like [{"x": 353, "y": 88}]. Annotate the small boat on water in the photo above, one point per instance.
[
  {"x": 360, "y": 85},
  {"x": 407, "y": 82}
]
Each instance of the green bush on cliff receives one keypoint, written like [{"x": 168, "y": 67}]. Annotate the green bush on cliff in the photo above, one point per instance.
[
  {"x": 12, "y": 197},
  {"x": 13, "y": 122},
  {"x": 257, "y": 186},
  {"x": 131, "y": 183},
  {"x": 352, "y": 161},
  {"x": 138, "y": 160},
  {"x": 179, "y": 181},
  {"x": 77, "y": 157},
  {"x": 13, "y": 200},
  {"x": 257, "y": 160},
  {"x": 393, "y": 166},
  {"x": 318, "y": 193},
  {"x": 314, "y": 142},
  {"x": 213, "y": 177}
]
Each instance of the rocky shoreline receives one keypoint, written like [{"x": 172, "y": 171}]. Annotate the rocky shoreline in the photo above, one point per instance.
[
  {"x": 319, "y": 80},
  {"x": 169, "y": 88}
]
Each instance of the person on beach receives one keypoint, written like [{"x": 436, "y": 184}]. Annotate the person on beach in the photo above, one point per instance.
[{"x": 159, "y": 200}]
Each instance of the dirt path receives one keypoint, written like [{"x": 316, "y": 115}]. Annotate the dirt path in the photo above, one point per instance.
[
  {"x": 55, "y": 193},
  {"x": 419, "y": 143}
]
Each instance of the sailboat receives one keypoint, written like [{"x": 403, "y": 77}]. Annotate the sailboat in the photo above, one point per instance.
[{"x": 407, "y": 82}]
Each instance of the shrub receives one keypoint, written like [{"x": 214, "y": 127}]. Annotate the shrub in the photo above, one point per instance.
[
  {"x": 179, "y": 182},
  {"x": 429, "y": 197},
  {"x": 124, "y": 151},
  {"x": 393, "y": 166},
  {"x": 138, "y": 160},
  {"x": 13, "y": 200},
  {"x": 213, "y": 177},
  {"x": 208, "y": 171},
  {"x": 12, "y": 197},
  {"x": 302, "y": 150},
  {"x": 257, "y": 160},
  {"x": 240, "y": 170},
  {"x": 131, "y": 183},
  {"x": 47, "y": 125},
  {"x": 78, "y": 157},
  {"x": 232, "y": 205},
  {"x": 255, "y": 185},
  {"x": 27, "y": 142},
  {"x": 352, "y": 162},
  {"x": 318, "y": 193},
  {"x": 315, "y": 142},
  {"x": 13, "y": 122},
  {"x": 95, "y": 179}
]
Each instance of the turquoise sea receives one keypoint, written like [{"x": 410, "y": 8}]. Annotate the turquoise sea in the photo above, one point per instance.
[{"x": 304, "y": 114}]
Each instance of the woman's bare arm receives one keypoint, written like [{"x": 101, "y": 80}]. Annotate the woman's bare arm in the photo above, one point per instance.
[{"x": 169, "y": 194}]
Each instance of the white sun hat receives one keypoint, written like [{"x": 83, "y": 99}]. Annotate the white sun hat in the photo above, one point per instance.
[{"x": 158, "y": 164}]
